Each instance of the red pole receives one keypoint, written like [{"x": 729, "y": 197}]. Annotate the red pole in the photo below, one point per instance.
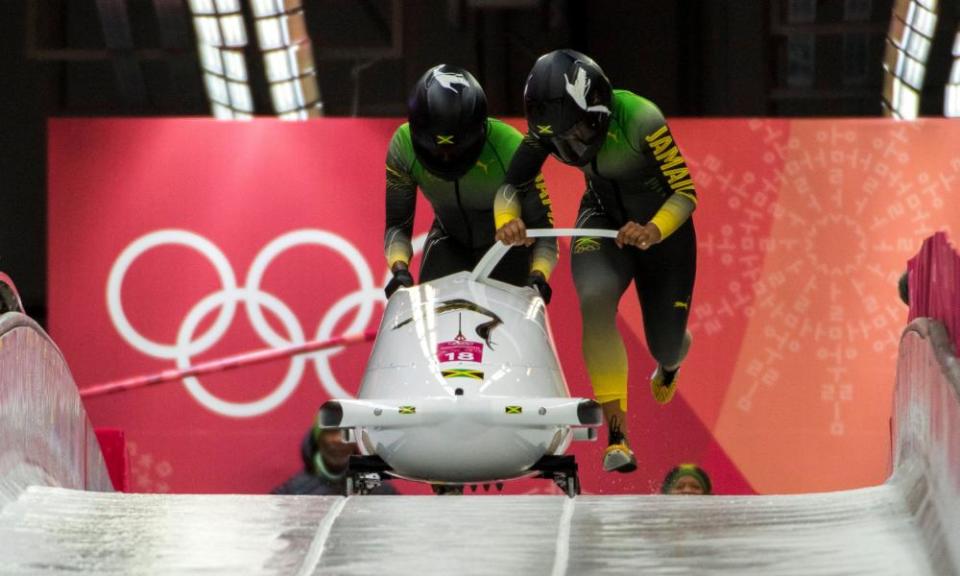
[{"x": 224, "y": 364}]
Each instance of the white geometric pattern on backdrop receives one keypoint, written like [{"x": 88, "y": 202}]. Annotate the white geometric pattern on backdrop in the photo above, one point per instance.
[{"x": 855, "y": 169}]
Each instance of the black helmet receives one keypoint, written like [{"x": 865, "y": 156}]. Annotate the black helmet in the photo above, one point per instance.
[
  {"x": 567, "y": 101},
  {"x": 448, "y": 120}
]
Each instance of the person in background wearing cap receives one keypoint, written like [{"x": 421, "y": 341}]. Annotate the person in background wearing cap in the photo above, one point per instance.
[
  {"x": 325, "y": 456},
  {"x": 687, "y": 479},
  {"x": 458, "y": 156},
  {"x": 637, "y": 183}
]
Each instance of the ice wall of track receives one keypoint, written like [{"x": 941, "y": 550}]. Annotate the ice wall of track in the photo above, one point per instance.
[
  {"x": 934, "y": 278},
  {"x": 45, "y": 436},
  {"x": 926, "y": 442}
]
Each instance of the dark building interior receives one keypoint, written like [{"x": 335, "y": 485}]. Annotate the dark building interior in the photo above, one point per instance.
[{"x": 64, "y": 58}]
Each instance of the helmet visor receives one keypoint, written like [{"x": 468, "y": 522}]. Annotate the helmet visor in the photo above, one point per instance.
[{"x": 578, "y": 144}]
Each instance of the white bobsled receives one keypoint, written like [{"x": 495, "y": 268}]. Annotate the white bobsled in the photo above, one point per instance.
[{"x": 463, "y": 386}]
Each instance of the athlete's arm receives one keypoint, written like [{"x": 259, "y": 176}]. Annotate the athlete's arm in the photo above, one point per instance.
[
  {"x": 521, "y": 177},
  {"x": 401, "y": 206},
  {"x": 650, "y": 134},
  {"x": 537, "y": 212}
]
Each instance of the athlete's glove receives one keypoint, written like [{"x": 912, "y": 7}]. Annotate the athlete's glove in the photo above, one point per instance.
[
  {"x": 538, "y": 281},
  {"x": 401, "y": 277}
]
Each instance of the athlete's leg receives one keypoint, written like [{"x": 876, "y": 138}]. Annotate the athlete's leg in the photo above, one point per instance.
[
  {"x": 664, "y": 282},
  {"x": 442, "y": 255},
  {"x": 601, "y": 274}
]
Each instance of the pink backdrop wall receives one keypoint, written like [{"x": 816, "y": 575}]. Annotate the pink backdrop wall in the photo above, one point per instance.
[{"x": 804, "y": 228}]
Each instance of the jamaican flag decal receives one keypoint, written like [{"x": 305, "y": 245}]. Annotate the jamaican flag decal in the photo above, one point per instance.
[{"x": 462, "y": 373}]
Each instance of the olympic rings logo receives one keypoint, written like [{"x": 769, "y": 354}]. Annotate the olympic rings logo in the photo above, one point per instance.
[{"x": 188, "y": 344}]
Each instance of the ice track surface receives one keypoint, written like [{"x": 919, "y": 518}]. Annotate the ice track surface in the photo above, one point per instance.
[
  {"x": 58, "y": 531},
  {"x": 57, "y": 515}
]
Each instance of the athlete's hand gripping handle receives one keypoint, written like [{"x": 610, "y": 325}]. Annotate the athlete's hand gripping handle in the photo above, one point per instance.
[
  {"x": 401, "y": 278},
  {"x": 642, "y": 237},
  {"x": 538, "y": 281},
  {"x": 514, "y": 233}
]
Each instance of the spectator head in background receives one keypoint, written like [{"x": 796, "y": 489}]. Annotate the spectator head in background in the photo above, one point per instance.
[
  {"x": 687, "y": 479},
  {"x": 903, "y": 287},
  {"x": 325, "y": 458},
  {"x": 325, "y": 453}
]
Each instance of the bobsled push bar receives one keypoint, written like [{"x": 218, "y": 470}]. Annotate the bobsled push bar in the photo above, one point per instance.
[{"x": 485, "y": 266}]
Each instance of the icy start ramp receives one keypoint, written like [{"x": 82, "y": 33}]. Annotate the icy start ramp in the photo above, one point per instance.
[
  {"x": 53, "y": 531},
  {"x": 52, "y": 523}
]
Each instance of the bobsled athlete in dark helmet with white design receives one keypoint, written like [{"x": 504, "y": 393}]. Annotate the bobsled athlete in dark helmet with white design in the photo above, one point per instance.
[
  {"x": 637, "y": 182},
  {"x": 458, "y": 158}
]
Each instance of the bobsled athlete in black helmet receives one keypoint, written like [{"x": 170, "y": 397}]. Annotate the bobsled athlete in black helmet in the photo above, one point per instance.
[
  {"x": 637, "y": 182},
  {"x": 458, "y": 158}
]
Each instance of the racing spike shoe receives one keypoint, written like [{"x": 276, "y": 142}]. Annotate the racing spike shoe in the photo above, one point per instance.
[
  {"x": 618, "y": 456},
  {"x": 663, "y": 382}
]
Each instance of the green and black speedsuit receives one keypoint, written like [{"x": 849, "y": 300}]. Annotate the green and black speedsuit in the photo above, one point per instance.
[
  {"x": 463, "y": 226},
  {"x": 639, "y": 174}
]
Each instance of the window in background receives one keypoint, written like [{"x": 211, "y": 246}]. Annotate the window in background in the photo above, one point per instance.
[
  {"x": 221, "y": 38},
  {"x": 951, "y": 97},
  {"x": 909, "y": 38},
  {"x": 288, "y": 58}
]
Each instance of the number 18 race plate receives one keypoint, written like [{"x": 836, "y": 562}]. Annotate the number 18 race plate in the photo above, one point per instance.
[{"x": 460, "y": 351}]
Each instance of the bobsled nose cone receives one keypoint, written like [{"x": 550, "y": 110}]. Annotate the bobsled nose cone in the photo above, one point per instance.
[
  {"x": 589, "y": 413},
  {"x": 331, "y": 414}
]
